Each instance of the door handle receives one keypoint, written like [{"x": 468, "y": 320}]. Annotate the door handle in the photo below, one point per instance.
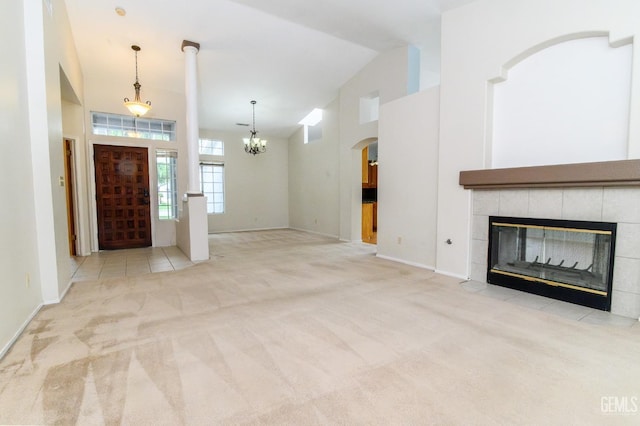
[{"x": 145, "y": 196}]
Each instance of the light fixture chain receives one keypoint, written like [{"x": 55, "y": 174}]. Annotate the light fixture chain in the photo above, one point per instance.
[
  {"x": 136, "y": 65},
  {"x": 253, "y": 106}
]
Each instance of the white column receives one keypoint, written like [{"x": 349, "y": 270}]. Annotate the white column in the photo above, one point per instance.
[
  {"x": 190, "y": 50},
  {"x": 192, "y": 227}
]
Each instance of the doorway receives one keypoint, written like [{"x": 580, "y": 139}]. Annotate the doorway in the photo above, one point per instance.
[
  {"x": 370, "y": 193},
  {"x": 122, "y": 197}
]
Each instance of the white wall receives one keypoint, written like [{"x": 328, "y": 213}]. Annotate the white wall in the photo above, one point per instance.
[
  {"x": 316, "y": 203},
  {"x": 256, "y": 187},
  {"x": 481, "y": 40},
  {"x": 568, "y": 103},
  {"x": 59, "y": 56},
  {"x": 39, "y": 143},
  {"x": 388, "y": 75},
  {"x": 18, "y": 240},
  {"x": 37, "y": 48},
  {"x": 430, "y": 58},
  {"x": 408, "y": 178},
  {"x": 314, "y": 180}
]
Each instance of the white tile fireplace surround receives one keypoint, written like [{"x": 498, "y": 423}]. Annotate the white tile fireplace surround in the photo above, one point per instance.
[{"x": 598, "y": 204}]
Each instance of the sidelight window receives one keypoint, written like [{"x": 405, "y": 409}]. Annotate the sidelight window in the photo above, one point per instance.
[{"x": 166, "y": 163}]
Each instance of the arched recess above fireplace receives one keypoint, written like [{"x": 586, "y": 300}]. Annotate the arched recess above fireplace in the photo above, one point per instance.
[{"x": 566, "y": 103}]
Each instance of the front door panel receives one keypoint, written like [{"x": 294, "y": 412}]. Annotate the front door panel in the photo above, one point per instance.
[{"x": 122, "y": 197}]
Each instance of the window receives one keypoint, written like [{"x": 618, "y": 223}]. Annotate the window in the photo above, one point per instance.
[
  {"x": 312, "y": 133},
  {"x": 369, "y": 108},
  {"x": 127, "y": 126},
  {"x": 312, "y": 126},
  {"x": 211, "y": 147},
  {"x": 166, "y": 162},
  {"x": 212, "y": 185}
]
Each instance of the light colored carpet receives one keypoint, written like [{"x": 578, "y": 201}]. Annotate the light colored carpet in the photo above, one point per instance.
[{"x": 284, "y": 327}]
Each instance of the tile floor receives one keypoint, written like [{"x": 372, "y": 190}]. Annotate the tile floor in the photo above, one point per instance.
[
  {"x": 127, "y": 263},
  {"x": 552, "y": 306}
]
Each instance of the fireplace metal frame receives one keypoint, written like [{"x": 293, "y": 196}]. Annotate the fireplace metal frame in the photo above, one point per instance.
[{"x": 556, "y": 290}]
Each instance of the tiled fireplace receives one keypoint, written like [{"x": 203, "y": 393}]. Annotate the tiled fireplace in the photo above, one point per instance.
[
  {"x": 567, "y": 260},
  {"x": 618, "y": 205}
]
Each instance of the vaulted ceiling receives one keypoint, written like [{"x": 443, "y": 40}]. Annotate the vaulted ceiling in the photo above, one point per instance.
[{"x": 289, "y": 55}]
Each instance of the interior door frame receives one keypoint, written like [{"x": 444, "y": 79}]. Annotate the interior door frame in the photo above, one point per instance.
[
  {"x": 71, "y": 193},
  {"x": 93, "y": 208}
]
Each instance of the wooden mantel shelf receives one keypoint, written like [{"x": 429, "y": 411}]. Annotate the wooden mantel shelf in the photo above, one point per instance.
[{"x": 606, "y": 173}]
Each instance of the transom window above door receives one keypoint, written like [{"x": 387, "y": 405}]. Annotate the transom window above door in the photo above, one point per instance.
[
  {"x": 211, "y": 147},
  {"x": 126, "y": 126}
]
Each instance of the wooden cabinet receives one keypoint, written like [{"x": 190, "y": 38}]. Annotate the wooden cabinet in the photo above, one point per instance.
[
  {"x": 373, "y": 176},
  {"x": 368, "y": 235}
]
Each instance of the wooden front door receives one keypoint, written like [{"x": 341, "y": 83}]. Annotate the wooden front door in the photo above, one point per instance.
[{"x": 122, "y": 197}]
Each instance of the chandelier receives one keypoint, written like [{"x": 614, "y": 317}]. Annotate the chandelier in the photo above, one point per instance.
[
  {"x": 136, "y": 106},
  {"x": 254, "y": 145}
]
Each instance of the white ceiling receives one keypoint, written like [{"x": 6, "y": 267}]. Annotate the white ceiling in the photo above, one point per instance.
[{"x": 289, "y": 55}]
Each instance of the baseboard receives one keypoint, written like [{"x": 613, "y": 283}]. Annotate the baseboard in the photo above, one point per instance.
[
  {"x": 10, "y": 343},
  {"x": 452, "y": 275},
  {"x": 278, "y": 229},
  {"x": 227, "y": 231},
  {"x": 59, "y": 299},
  {"x": 406, "y": 262},
  {"x": 315, "y": 233}
]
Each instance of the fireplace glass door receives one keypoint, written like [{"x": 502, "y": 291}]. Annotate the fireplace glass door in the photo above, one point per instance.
[{"x": 566, "y": 260}]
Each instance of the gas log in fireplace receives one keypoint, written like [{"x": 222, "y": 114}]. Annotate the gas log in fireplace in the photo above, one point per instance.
[{"x": 561, "y": 259}]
